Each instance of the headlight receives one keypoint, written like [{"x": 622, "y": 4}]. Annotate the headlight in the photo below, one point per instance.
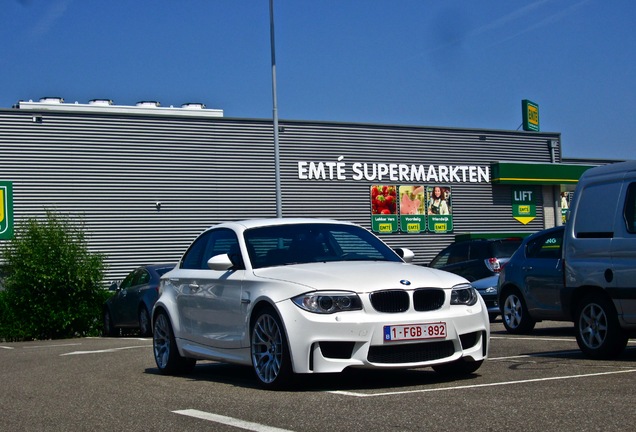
[
  {"x": 464, "y": 295},
  {"x": 328, "y": 302}
]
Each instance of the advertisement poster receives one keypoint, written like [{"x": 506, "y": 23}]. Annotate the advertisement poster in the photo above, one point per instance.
[
  {"x": 412, "y": 215},
  {"x": 384, "y": 208},
  {"x": 439, "y": 208}
]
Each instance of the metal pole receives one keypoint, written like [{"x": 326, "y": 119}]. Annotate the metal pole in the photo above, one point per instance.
[
  {"x": 556, "y": 190},
  {"x": 279, "y": 209}
]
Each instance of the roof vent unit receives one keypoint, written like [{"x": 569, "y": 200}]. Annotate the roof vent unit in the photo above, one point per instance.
[
  {"x": 54, "y": 99},
  {"x": 102, "y": 102},
  {"x": 148, "y": 104},
  {"x": 193, "y": 105},
  {"x": 152, "y": 108}
]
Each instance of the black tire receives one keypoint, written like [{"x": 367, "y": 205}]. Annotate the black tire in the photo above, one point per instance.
[
  {"x": 458, "y": 367},
  {"x": 514, "y": 313},
  {"x": 270, "y": 351},
  {"x": 145, "y": 327},
  {"x": 165, "y": 350},
  {"x": 598, "y": 331},
  {"x": 108, "y": 327}
]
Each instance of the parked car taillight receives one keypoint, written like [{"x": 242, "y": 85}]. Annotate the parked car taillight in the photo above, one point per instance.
[{"x": 493, "y": 264}]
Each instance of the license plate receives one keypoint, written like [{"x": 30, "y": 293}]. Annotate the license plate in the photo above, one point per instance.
[{"x": 415, "y": 331}]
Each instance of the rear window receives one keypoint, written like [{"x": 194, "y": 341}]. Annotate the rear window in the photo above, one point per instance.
[
  {"x": 596, "y": 210},
  {"x": 505, "y": 248}
]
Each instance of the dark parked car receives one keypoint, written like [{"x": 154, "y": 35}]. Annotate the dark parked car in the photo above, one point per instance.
[
  {"x": 531, "y": 283},
  {"x": 133, "y": 300},
  {"x": 476, "y": 258},
  {"x": 487, "y": 288}
]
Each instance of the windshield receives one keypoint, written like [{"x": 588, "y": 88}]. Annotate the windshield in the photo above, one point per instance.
[{"x": 309, "y": 243}]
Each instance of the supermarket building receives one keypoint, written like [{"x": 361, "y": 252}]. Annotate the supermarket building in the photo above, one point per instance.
[{"x": 146, "y": 180}]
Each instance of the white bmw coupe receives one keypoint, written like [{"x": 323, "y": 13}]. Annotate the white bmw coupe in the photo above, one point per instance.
[{"x": 303, "y": 296}]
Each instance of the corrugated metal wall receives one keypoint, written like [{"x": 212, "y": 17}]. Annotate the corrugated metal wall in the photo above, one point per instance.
[
  {"x": 477, "y": 207},
  {"x": 112, "y": 170}
]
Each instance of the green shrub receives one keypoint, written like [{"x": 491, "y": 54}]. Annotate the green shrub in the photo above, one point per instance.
[{"x": 52, "y": 282}]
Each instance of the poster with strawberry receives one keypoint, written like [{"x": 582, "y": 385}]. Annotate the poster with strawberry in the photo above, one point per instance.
[
  {"x": 383, "y": 199},
  {"x": 384, "y": 208}
]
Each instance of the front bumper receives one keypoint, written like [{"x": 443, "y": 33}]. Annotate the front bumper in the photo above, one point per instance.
[{"x": 332, "y": 343}]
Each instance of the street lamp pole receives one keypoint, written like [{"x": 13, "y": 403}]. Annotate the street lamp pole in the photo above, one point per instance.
[{"x": 279, "y": 210}]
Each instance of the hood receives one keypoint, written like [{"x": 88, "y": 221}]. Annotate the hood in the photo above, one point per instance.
[
  {"x": 486, "y": 282},
  {"x": 360, "y": 276}
]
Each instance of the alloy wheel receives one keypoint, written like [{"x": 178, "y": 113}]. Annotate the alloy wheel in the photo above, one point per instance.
[
  {"x": 161, "y": 341},
  {"x": 267, "y": 348},
  {"x": 593, "y": 326}
]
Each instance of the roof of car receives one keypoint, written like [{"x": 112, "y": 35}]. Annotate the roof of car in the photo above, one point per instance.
[
  {"x": 610, "y": 168},
  {"x": 544, "y": 231},
  {"x": 252, "y": 223},
  {"x": 493, "y": 239}
]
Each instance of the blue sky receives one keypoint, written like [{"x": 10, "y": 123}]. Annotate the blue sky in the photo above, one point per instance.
[{"x": 407, "y": 62}]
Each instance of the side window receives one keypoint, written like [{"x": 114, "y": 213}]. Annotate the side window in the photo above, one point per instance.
[
  {"x": 629, "y": 214},
  {"x": 128, "y": 281},
  {"x": 209, "y": 244},
  {"x": 143, "y": 277},
  {"x": 546, "y": 246},
  {"x": 194, "y": 255},
  {"x": 441, "y": 259},
  {"x": 596, "y": 210}
]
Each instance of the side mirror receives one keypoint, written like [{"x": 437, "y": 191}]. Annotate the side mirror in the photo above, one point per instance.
[
  {"x": 406, "y": 254},
  {"x": 220, "y": 262},
  {"x": 113, "y": 286}
]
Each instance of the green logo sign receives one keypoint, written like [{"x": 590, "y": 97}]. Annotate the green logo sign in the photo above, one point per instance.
[
  {"x": 384, "y": 224},
  {"x": 6, "y": 210},
  {"x": 530, "y": 115}
]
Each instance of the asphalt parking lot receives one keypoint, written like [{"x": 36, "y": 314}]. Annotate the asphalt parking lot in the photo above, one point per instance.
[{"x": 539, "y": 382}]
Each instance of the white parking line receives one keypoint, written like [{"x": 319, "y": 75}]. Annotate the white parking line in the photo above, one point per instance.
[
  {"x": 572, "y": 339},
  {"x": 542, "y": 354},
  {"x": 241, "y": 424},
  {"x": 51, "y": 346},
  {"x": 363, "y": 395},
  {"x": 110, "y": 350},
  {"x": 6, "y": 347}
]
